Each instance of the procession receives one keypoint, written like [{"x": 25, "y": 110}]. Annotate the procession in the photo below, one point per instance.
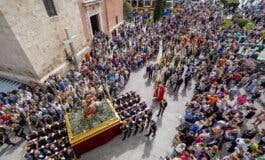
[{"x": 185, "y": 87}]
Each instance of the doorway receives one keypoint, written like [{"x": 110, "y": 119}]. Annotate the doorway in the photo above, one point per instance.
[{"x": 95, "y": 24}]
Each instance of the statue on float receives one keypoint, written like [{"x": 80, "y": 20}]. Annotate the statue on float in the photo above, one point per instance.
[{"x": 89, "y": 107}]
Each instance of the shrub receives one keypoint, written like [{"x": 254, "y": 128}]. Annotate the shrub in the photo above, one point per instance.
[
  {"x": 159, "y": 9},
  {"x": 150, "y": 21},
  {"x": 127, "y": 8},
  {"x": 236, "y": 16},
  {"x": 241, "y": 22},
  {"x": 251, "y": 26},
  {"x": 231, "y": 3},
  {"x": 227, "y": 23}
]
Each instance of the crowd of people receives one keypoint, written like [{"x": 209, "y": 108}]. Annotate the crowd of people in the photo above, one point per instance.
[
  {"x": 49, "y": 142},
  {"x": 107, "y": 65},
  {"x": 135, "y": 115},
  {"x": 128, "y": 50},
  {"x": 254, "y": 12},
  {"x": 196, "y": 45}
]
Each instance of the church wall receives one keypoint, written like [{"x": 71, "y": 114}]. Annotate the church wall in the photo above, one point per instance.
[
  {"x": 113, "y": 8},
  {"x": 32, "y": 42},
  {"x": 40, "y": 36},
  {"x": 12, "y": 57}
]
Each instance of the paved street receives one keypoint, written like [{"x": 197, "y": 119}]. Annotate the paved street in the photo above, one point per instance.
[{"x": 13, "y": 152}]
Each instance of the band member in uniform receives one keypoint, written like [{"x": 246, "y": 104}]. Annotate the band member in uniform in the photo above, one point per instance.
[
  {"x": 31, "y": 145},
  {"x": 179, "y": 81},
  {"x": 163, "y": 105},
  {"x": 130, "y": 126},
  {"x": 142, "y": 115},
  {"x": 70, "y": 154},
  {"x": 159, "y": 92},
  {"x": 32, "y": 135},
  {"x": 152, "y": 128},
  {"x": 143, "y": 105},
  {"x": 34, "y": 121},
  {"x": 148, "y": 116},
  {"x": 19, "y": 130},
  {"x": 122, "y": 115},
  {"x": 138, "y": 123},
  {"x": 48, "y": 119},
  {"x": 188, "y": 77},
  {"x": 5, "y": 139},
  {"x": 127, "y": 115},
  {"x": 124, "y": 129}
]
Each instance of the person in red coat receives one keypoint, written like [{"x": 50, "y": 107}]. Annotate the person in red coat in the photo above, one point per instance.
[
  {"x": 159, "y": 92},
  {"x": 5, "y": 118}
]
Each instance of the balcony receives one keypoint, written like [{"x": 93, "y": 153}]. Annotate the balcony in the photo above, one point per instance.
[{"x": 90, "y": 2}]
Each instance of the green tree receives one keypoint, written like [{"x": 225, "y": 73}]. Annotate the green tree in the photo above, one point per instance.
[
  {"x": 250, "y": 26},
  {"x": 242, "y": 22},
  {"x": 127, "y": 8},
  {"x": 236, "y": 16},
  {"x": 231, "y": 3},
  {"x": 226, "y": 22},
  {"x": 159, "y": 9}
]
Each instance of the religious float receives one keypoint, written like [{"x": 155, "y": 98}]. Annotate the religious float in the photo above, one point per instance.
[{"x": 94, "y": 125}]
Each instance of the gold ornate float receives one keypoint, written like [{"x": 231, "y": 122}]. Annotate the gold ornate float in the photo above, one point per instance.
[{"x": 81, "y": 133}]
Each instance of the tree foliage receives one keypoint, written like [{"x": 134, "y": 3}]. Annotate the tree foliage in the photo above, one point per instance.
[
  {"x": 226, "y": 22},
  {"x": 241, "y": 22},
  {"x": 236, "y": 16},
  {"x": 231, "y": 3},
  {"x": 127, "y": 8},
  {"x": 250, "y": 26},
  {"x": 159, "y": 9}
]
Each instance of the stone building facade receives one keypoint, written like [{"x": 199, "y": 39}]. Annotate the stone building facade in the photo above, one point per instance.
[{"x": 33, "y": 39}]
